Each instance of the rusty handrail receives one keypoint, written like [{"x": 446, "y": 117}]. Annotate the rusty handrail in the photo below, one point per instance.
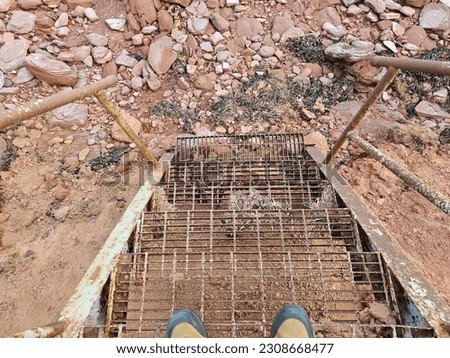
[
  {"x": 411, "y": 64},
  {"x": 357, "y": 119},
  {"x": 40, "y": 106},
  {"x": 433, "y": 196}
]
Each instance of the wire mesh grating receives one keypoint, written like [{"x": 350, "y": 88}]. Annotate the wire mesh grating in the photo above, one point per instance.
[
  {"x": 254, "y": 147},
  {"x": 235, "y": 291}
]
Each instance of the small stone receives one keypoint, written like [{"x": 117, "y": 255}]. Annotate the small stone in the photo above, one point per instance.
[
  {"x": 153, "y": 83},
  {"x": 12, "y": 54},
  {"x": 290, "y": 33},
  {"x": 206, "y": 46},
  {"x": 29, "y": 4},
  {"x": 205, "y": 82},
  {"x": 2, "y": 79},
  {"x": 353, "y": 52},
  {"x": 61, "y": 213},
  {"x": 266, "y": 51},
  {"x": 23, "y": 76},
  {"x": 90, "y": 14},
  {"x": 118, "y": 134},
  {"x": 165, "y": 21},
  {"x": 126, "y": 60},
  {"x": 407, "y": 11},
  {"x": 63, "y": 20},
  {"x": 398, "y": 29},
  {"x": 83, "y": 154},
  {"x": 230, "y": 3},
  {"x": 5, "y": 5},
  {"x": 137, "y": 39},
  {"x": 390, "y": 16},
  {"x": 190, "y": 69},
  {"x": 440, "y": 96},
  {"x": 117, "y": 24},
  {"x": 216, "y": 38},
  {"x": 50, "y": 70},
  {"x": 147, "y": 30},
  {"x": 392, "y": 5},
  {"x": 390, "y": 45},
  {"x": 101, "y": 54},
  {"x": 416, "y": 35},
  {"x": 183, "y": 83},
  {"x": 137, "y": 83},
  {"x": 73, "y": 114},
  {"x": 20, "y": 142},
  {"x": 61, "y": 192},
  {"x": 416, "y": 3},
  {"x": 63, "y": 31},
  {"x": 431, "y": 110},
  {"x": 219, "y": 22},
  {"x": 97, "y": 40},
  {"x": 109, "y": 69},
  {"x": 21, "y": 22},
  {"x": 376, "y": 5},
  {"x": 197, "y": 26},
  {"x": 353, "y": 10}
]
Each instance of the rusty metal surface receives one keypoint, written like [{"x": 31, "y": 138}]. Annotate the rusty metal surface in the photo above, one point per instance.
[
  {"x": 91, "y": 285},
  {"x": 50, "y": 331},
  {"x": 40, "y": 106},
  {"x": 433, "y": 196},
  {"x": 428, "y": 301},
  {"x": 360, "y": 115},
  {"x": 410, "y": 64}
]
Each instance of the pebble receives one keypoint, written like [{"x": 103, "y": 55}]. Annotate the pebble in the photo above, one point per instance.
[
  {"x": 101, "y": 55},
  {"x": 21, "y": 22},
  {"x": 117, "y": 24},
  {"x": 90, "y": 14},
  {"x": 61, "y": 213},
  {"x": 63, "y": 20},
  {"x": 12, "y": 54},
  {"x": 97, "y": 40},
  {"x": 266, "y": 51},
  {"x": 219, "y": 22},
  {"x": 126, "y": 60},
  {"x": 50, "y": 70}
]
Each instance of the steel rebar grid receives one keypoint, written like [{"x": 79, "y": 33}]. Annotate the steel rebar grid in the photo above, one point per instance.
[
  {"x": 410, "y": 64},
  {"x": 40, "y": 106},
  {"x": 354, "y": 123},
  {"x": 238, "y": 294},
  {"x": 433, "y": 196}
]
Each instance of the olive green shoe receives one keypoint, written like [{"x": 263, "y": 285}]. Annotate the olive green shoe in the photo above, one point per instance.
[
  {"x": 185, "y": 324},
  {"x": 292, "y": 322}
]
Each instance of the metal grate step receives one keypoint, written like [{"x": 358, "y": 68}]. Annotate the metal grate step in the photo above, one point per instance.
[{"x": 237, "y": 294}]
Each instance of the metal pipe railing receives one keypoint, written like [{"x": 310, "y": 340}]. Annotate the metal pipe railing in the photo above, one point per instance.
[
  {"x": 434, "y": 196},
  {"x": 415, "y": 65},
  {"x": 40, "y": 106}
]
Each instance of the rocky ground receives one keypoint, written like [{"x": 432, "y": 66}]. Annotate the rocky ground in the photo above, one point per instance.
[{"x": 204, "y": 67}]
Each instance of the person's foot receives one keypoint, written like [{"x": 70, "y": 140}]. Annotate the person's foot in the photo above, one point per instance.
[
  {"x": 185, "y": 324},
  {"x": 292, "y": 322}
]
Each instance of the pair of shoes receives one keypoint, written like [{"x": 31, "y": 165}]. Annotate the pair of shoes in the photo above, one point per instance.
[{"x": 291, "y": 322}]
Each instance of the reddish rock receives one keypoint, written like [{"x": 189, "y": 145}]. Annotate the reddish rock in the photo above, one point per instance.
[
  {"x": 29, "y": 4},
  {"x": 219, "y": 22},
  {"x": 49, "y": 70},
  {"x": 109, "y": 69},
  {"x": 248, "y": 27},
  {"x": 415, "y": 35},
  {"x": 206, "y": 82},
  {"x": 328, "y": 14},
  {"x": 118, "y": 134},
  {"x": 281, "y": 24},
  {"x": 146, "y": 12},
  {"x": 161, "y": 57},
  {"x": 417, "y": 3},
  {"x": 165, "y": 21},
  {"x": 72, "y": 4}
]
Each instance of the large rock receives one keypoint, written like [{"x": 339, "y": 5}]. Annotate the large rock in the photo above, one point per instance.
[
  {"x": 21, "y": 22},
  {"x": 146, "y": 12},
  {"x": 161, "y": 57},
  {"x": 281, "y": 24},
  {"x": 72, "y": 4},
  {"x": 69, "y": 115},
  {"x": 52, "y": 71},
  {"x": 118, "y": 134},
  {"x": 248, "y": 27},
  {"x": 29, "y": 4},
  {"x": 12, "y": 54},
  {"x": 5, "y": 5},
  {"x": 197, "y": 26},
  {"x": 183, "y": 3},
  {"x": 416, "y": 35},
  {"x": 435, "y": 17}
]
